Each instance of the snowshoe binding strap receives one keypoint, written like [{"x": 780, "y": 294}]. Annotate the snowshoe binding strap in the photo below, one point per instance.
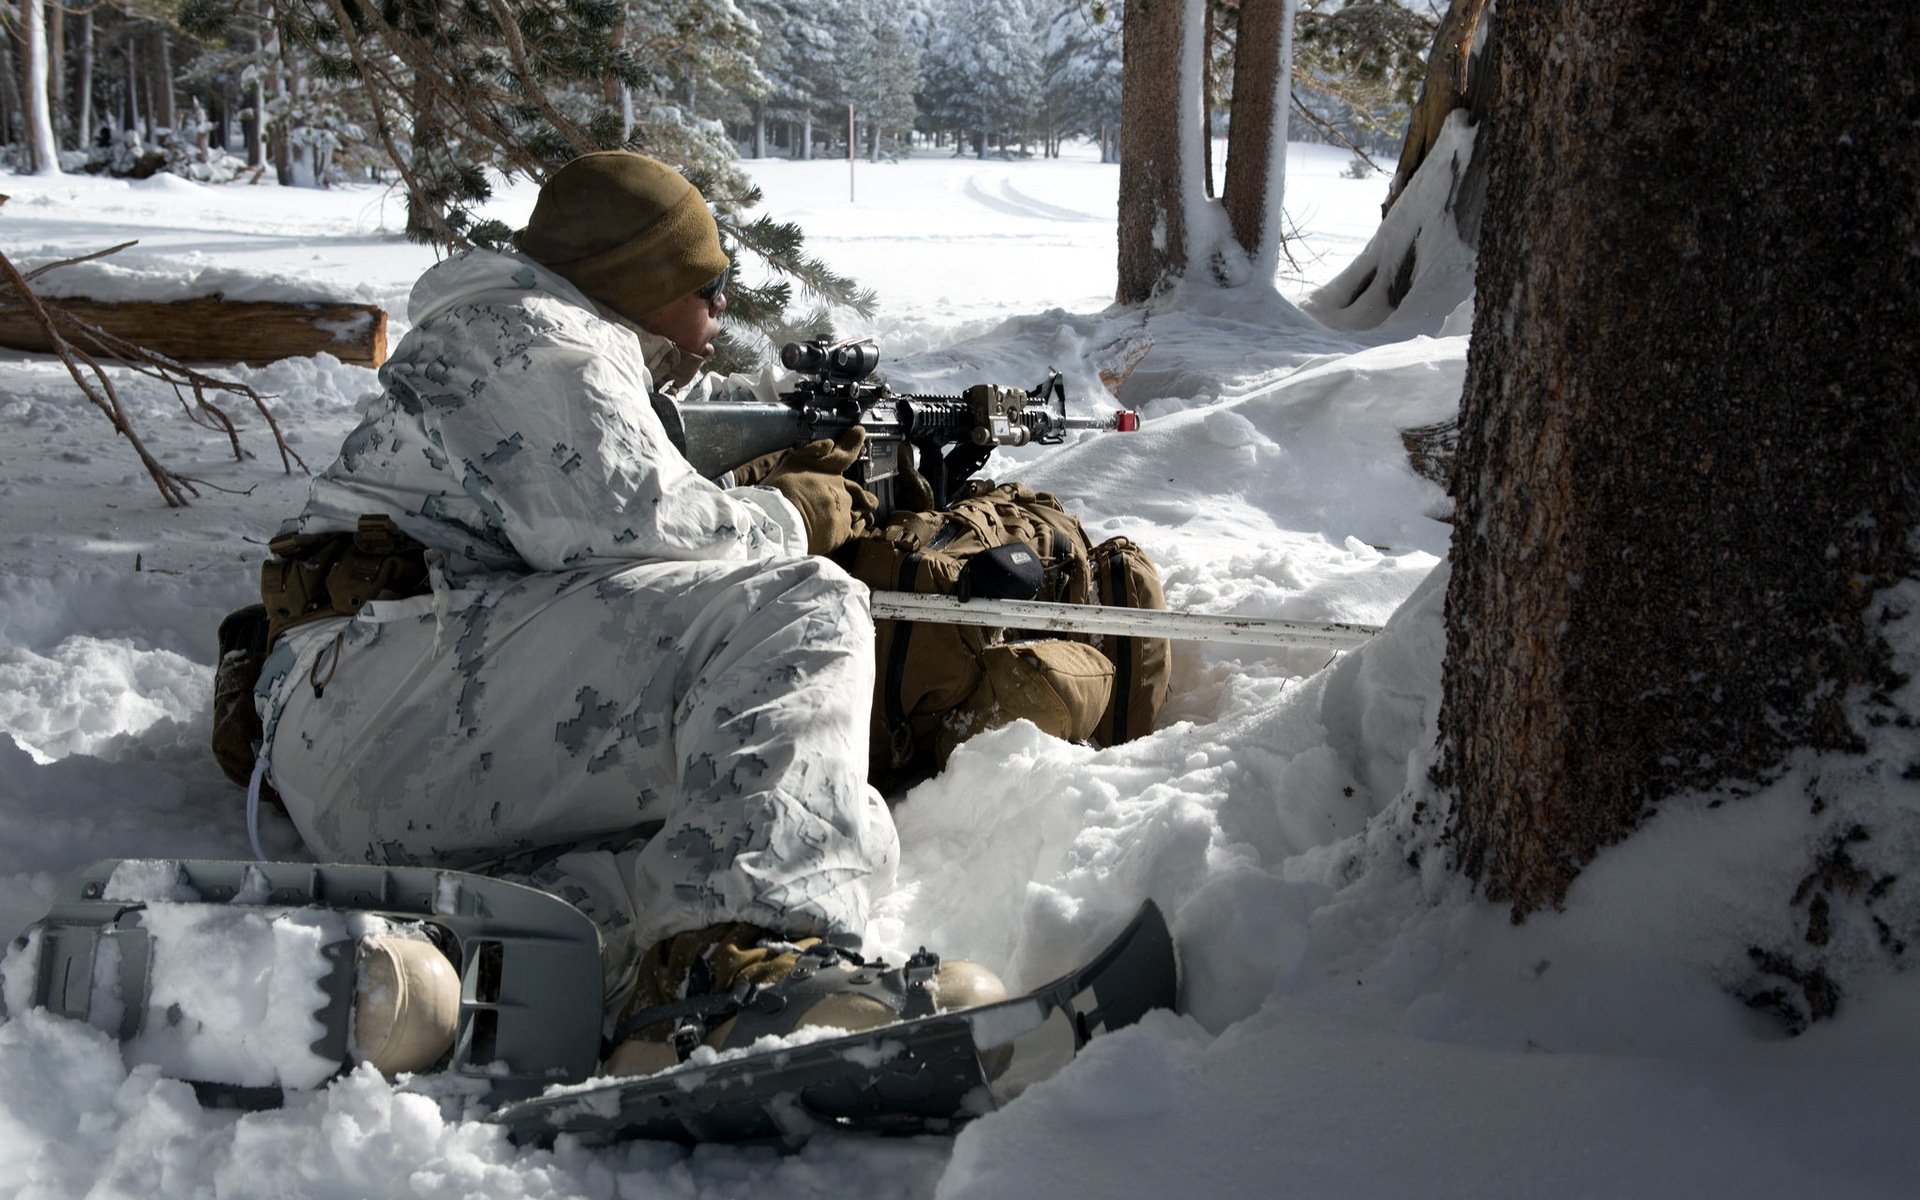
[{"x": 829, "y": 986}]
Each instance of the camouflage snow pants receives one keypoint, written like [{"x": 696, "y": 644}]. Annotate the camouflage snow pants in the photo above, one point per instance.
[{"x": 667, "y": 745}]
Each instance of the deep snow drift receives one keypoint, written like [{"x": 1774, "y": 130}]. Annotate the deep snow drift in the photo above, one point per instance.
[{"x": 1355, "y": 1022}]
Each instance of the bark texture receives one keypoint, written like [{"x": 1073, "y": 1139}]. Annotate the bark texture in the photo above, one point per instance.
[
  {"x": 1690, "y": 415},
  {"x": 1257, "y": 69},
  {"x": 1450, "y": 84},
  {"x": 1152, "y": 226}
]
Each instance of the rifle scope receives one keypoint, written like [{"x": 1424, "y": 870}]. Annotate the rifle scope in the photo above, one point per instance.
[{"x": 847, "y": 361}]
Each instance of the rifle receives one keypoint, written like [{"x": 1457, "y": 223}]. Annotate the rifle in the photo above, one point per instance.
[{"x": 951, "y": 435}]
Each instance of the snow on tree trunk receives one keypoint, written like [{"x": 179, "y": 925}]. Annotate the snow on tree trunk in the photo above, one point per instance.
[
  {"x": 1191, "y": 125},
  {"x": 1689, "y": 426},
  {"x": 1454, "y": 78},
  {"x": 1257, "y": 136},
  {"x": 41, "y": 145},
  {"x": 1418, "y": 266},
  {"x": 83, "y": 137}
]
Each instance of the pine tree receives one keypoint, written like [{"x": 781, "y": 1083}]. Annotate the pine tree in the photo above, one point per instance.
[
  {"x": 1082, "y": 66},
  {"x": 986, "y": 68},
  {"x": 1357, "y": 67},
  {"x": 463, "y": 89},
  {"x": 877, "y": 70}
]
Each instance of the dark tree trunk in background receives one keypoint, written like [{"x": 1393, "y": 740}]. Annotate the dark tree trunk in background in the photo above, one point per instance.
[
  {"x": 163, "y": 108},
  {"x": 1153, "y": 221},
  {"x": 423, "y": 220},
  {"x": 1691, "y": 415},
  {"x": 1257, "y": 69},
  {"x": 57, "y": 68}
]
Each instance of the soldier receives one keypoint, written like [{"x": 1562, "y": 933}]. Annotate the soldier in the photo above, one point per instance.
[{"x": 622, "y": 683}]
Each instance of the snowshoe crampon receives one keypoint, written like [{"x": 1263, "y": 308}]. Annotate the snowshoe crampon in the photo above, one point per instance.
[
  {"x": 924, "y": 1075},
  {"x": 240, "y": 977}
]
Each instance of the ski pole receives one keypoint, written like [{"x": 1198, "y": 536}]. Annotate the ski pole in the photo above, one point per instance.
[{"x": 1126, "y": 622}]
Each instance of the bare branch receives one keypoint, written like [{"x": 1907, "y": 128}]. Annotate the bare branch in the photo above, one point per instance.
[
  {"x": 38, "y": 271},
  {"x": 72, "y": 339},
  {"x": 1324, "y": 126}
]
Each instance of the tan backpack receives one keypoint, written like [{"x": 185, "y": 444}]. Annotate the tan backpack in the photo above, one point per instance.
[{"x": 937, "y": 685}]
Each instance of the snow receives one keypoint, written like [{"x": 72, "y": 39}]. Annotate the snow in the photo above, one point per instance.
[{"x": 1355, "y": 1022}]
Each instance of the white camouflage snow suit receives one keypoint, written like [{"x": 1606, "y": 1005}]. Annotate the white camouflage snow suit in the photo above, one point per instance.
[{"x": 629, "y": 687}]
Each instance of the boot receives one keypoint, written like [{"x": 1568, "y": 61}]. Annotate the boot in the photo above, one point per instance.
[{"x": 717, "y": 987}]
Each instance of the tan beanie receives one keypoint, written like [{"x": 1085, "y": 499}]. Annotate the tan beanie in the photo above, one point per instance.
[{"x": 625, "y": 229}]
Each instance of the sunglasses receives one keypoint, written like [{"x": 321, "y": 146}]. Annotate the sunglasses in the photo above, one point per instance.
[{"x": 710, "y": 291}]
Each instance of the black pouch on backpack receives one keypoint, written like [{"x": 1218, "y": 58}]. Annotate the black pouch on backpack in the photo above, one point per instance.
[{"x": 1009, "y": 572}]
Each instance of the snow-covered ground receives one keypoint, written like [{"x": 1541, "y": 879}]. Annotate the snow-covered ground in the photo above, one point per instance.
[{"x": 1355, "y": 1023}]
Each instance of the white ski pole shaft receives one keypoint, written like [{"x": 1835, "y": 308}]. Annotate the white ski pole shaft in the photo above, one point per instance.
[{"x": 1126, "y": 622}]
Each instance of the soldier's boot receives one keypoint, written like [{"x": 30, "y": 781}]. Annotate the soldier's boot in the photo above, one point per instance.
[{"x": 728, "y": 985}]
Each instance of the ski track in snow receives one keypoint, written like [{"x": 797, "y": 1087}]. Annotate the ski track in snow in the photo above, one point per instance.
[{"x": 1015, "y": 203}]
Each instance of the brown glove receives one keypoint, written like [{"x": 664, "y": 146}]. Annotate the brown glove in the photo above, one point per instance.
[
  {"x": 911, "y": 492},
  {"x": 834, "y": 508}
]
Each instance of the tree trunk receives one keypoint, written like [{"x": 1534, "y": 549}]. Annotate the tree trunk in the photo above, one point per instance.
[
  {"x": 1689, "y": 424},
  {"x": 1257, "y": 132},
  {"x": 149, "y": 104},
  {"x": 1153, "y": 215},
  {"x": 1450, "y": 83},
  {"x": 130, "y": 106},
  {"x": 277, "y": 142},
  {"x": 257, "y": 101},
  {"x": 423, "y": 224},
  {"x": 43, "y": 151},
  {"x": 84, "y": 83},
  {"x": 57, "y": 63},
  {"x": 10, "y": 90},
  {"x": 163, "y": 110},
  {"x": 1207, "y": 35}
]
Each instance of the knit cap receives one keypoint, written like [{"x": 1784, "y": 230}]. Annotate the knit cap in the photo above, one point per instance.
[{"x": 625, "y": 229}]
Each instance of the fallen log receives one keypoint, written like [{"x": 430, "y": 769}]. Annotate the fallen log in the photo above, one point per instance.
[{"x": 210, "y": 329}]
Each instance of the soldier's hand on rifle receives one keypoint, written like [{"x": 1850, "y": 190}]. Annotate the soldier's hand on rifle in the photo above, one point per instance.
[
  {"x": 811, "y": 477},
  {"x": 911, "y": 491},
  {"x": 755, "y": 470}
]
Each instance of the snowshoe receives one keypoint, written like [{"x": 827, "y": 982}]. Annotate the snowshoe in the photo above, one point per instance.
[
  {"x": 926, "y": 1074},
  {"x": 245, "y": 978}
]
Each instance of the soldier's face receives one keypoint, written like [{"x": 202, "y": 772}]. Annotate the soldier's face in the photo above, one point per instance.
[{"x": 691, "y": 322}]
